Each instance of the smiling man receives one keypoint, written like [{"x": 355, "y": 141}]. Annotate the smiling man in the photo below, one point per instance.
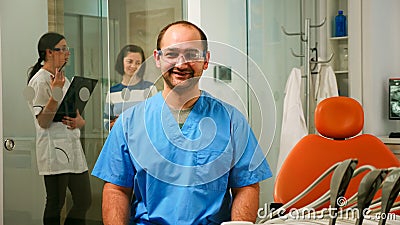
[{"x": 189, "y": 157}]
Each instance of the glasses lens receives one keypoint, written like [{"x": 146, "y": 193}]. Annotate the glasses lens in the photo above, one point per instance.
[
  {"x": 193, "y": 55},
  {"x": 170, "y": 55},
  {"x": 189, "y": 55},
  {"x": 63, "y": 49}
]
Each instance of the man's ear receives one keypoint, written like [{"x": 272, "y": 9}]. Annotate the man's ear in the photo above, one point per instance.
[
  {"x": 206, "y": 60},
  {"x": 156, "y": 58}
]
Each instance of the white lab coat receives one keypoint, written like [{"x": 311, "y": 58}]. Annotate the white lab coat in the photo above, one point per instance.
[
  {"x": 294, "y": 126},
  {"x": 293, "y": 123},
  {"x": 58, "y": 149}
]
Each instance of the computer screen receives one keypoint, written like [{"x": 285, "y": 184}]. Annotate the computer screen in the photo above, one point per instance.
[{"x": 394, "y": 98}]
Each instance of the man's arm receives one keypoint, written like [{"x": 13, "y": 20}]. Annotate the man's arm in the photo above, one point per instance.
[
  {"x": 116, "y": 204},
  {"x": 245, "y": 203}
]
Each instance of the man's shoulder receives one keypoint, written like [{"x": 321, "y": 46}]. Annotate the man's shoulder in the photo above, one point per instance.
[
  {"x": 148, "y": 103},
  {"x": 142, "y": 110},
  {"x": 217, "y": 101},
  {"x": 219, "y": 104}
]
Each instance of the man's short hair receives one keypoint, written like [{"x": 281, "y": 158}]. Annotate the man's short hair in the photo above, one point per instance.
[{"x": 203, "y": 36}]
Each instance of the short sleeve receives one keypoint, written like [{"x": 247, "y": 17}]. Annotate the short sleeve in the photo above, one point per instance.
[
  {"x": 114, "y": 164},
  {"x": 42, "y": 95},
  {"x": 250, "y": 163}
]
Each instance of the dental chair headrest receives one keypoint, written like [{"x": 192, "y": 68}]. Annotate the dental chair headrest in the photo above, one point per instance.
[{"x": 339, "y": 117}]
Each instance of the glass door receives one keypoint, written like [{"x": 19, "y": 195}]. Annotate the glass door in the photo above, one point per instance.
[
  {"x": 22, "y": 195},
  {"x": 22, "y": 191}
]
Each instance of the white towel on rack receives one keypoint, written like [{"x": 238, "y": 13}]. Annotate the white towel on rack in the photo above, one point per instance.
[
  {"x": 293, "y": 123},
  {"x": 324, "y": 86}
]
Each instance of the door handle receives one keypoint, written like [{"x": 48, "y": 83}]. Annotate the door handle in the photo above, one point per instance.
[{"x": 9, "y": 144}]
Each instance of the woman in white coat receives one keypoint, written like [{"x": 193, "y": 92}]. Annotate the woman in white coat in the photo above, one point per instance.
[{"x": 59, "y": 152}]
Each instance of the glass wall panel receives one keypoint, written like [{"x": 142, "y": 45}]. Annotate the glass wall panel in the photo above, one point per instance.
[
  {"x": 253, "y": 27},
  {"x": 85, "y": 28},
  {"x": 271, "y": 51},
  {"x": 96, "y": 32}
]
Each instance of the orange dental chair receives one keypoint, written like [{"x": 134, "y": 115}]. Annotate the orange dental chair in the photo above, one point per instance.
[{"x": 339, "y": 121}]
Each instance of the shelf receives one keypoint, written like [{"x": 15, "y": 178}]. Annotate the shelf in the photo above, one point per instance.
[
  {"x": 339, "y": 38},
  {"x": 387, "y": 140},
  {"x": 337, "y": 45},
  {"x": 341, "y": 72}
]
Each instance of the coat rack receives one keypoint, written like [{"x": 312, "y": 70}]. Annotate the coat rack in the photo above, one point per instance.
[{"x": 305, "y": 38}]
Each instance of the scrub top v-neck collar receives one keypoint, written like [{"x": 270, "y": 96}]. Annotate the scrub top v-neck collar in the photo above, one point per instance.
[
  {"x": 185, "y": 137},
  {"x": 170, "y": 119}
]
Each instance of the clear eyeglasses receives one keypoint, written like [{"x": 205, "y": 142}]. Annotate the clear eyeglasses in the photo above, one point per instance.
[
  {"x": 172, "y": 55},
  {"x": 62, "y": 49}
]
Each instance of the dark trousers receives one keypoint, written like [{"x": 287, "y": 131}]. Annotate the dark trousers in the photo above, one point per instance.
[{"x": 56, "y": 188}]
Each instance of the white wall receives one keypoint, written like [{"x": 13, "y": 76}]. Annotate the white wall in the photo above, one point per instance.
[
  {"x": 381, "y": 53},
  {"x": 228, "y": 48}
]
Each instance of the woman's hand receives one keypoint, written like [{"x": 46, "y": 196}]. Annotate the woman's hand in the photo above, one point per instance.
[
  {"x": 72, "y": 123},
  {"x": 45, "y": 117},
  {"x": 58, "y": 80}
]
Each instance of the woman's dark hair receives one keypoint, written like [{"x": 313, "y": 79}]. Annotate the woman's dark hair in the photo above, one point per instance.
[
  {"x": 46, "y": 41},
  {"x": 119, "y": 64},
  {"x": 203, "y": 36}
]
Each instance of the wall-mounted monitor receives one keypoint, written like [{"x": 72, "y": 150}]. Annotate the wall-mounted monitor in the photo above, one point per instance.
[{"x": 394, "y": 98}]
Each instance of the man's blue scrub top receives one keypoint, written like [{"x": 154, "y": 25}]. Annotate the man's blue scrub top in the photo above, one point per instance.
[{"x": 182, "y": 176}]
